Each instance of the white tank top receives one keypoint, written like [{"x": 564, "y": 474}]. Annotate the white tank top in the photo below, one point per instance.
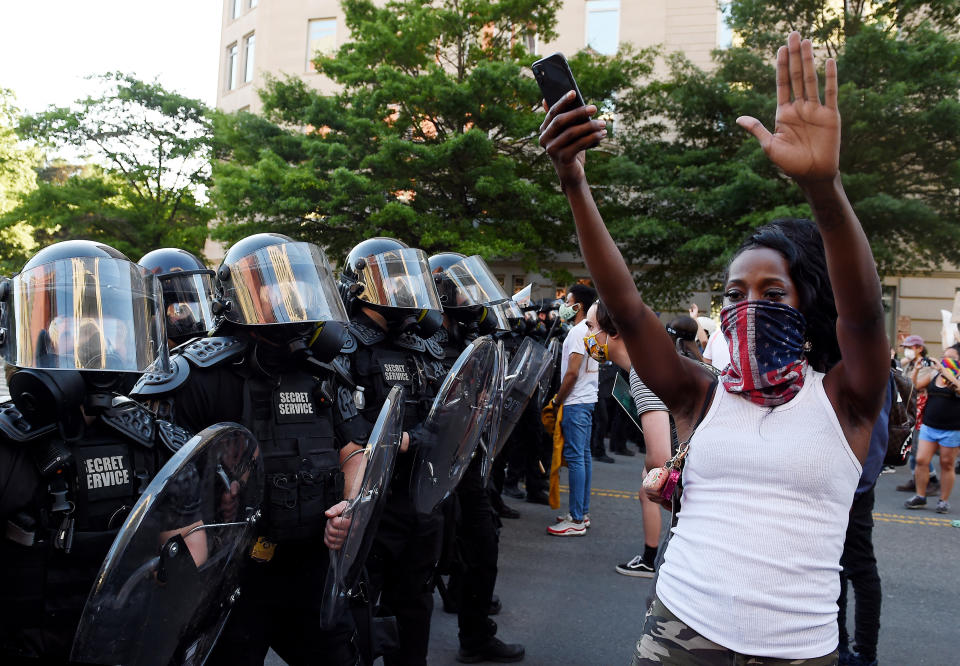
[{"x": 754, "y": 561}]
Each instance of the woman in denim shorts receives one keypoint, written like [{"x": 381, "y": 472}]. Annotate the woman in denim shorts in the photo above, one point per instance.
[{"x": 940, "y": 432}]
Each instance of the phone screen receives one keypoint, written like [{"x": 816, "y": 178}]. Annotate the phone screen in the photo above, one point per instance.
[{"x": 553, "y": 76}]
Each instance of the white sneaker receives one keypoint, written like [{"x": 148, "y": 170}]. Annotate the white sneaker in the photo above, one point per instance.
[
  {"x": 567, "y": 517},
  {"x": 567, "y": 528}
]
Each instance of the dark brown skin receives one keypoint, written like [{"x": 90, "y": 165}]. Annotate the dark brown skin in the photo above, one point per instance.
[{"x": 805, "y": 145}]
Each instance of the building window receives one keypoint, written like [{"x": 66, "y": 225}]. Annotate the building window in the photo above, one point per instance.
[
  {"x": 603, "y": 25},
  {"x": 724, "y": 31},
  {"x": 250, "y": 42},
  {"x": 232, "y": 57},
  {"x": 889, "y": 301},
  {"x": 253, "y": 3},
  {"x": 321, "y": 38},
  {"x": 236, "y": 8},
  {"x": 530, "y": 41}
]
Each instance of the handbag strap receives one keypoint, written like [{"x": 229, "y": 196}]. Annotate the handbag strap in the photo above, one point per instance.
[{"x": 677, "y": 460}]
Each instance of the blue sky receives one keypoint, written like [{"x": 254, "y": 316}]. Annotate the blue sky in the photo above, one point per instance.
[{"x": 47, "y": 47}]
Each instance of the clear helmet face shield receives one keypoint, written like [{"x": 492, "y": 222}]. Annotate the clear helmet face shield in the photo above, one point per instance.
[
  {"x": 469, "y": 283},
  {"x": 187, "y": 299},
  {"x": 503, "y": 315},
  {"x": 398, "y": 279},
  {"x": 287, "y": 283},
  {"x": 86, "y": 313}
]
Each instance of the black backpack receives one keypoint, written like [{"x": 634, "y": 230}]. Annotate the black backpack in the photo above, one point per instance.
[{"x": 903, "y": 419}]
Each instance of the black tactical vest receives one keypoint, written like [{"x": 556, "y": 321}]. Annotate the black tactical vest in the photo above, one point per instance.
[
  {"x": 54, "y": 547},
  {"x": 291, "y": 419}
]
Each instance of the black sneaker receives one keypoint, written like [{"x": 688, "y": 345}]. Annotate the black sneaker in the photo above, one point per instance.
[
  {"x": 495, "y": 606},
  {"x": 604, "y": 458},
  {"x": 624, "y": 452},
  {"x": 933, "y": 487},
  {"x": 493, "y": 650},
  {"x": 636, "y": 567},
  {"x": 910, "y": 486},
  {"x": 513, "y": 490},
  {"x": 915, "y": 502},
  {"x": 505, "y": 511},
  {"x": 538, "y": 498}
]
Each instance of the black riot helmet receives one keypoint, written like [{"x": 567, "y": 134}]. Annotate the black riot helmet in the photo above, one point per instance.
[
  {"x": 79, "y": 310},
  {"x": 285, "y": 291},
  {"x": 188, "y": 291},
  {"x": 470, "y": 293},
  {"x": 393, "y": 280}
]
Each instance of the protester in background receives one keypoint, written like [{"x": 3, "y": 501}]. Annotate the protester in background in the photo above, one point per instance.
[
  {"x": 717, "y": 353},
  {"x": 921, "y": 369},
  {"x": 940, "y": 432},
  {"x": 604, "y": 342},
  {"x": 683, "y": 331},
  {"x": 603, "y": 414},
  {"x": 578, "y": 395},
  {"x": 742, "y": 578},
  {"x": 858, "y": 561}
]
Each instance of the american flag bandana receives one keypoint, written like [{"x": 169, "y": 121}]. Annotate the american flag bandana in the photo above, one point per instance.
[{"x": 766, "y": 351}]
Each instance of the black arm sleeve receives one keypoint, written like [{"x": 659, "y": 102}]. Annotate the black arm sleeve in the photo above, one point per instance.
[
  {"x": 349, "y": 425},
  {"x": 210, "y": 395},
  {"x": 19, "y": 479}
]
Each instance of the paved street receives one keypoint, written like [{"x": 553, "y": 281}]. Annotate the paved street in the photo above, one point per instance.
[{"x": 564, "y": 601}]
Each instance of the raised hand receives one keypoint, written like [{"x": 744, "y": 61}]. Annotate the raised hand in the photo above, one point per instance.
[
  {"x": 805, "y": 142},
  {"x": 567, "y": 134}
]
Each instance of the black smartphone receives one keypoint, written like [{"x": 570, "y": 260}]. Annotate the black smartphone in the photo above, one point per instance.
[{"x": 555, "y": 79}]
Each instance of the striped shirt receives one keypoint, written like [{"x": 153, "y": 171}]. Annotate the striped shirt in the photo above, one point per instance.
[{"x": 646, "y": 400}]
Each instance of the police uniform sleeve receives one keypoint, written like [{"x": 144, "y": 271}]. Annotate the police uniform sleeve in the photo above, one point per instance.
[
  {"x": 348, "y": 424},
  {"x": 19, "y": 479},
  {"x": 209, "y": 396}
]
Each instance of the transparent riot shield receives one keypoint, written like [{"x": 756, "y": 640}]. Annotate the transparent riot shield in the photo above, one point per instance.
[
  {"x": 172, "y": 574},
  {"x": 554, "y": 349},
  {"x": 366, "y": 495},
  {"x": 457, "y": 419},
  {"x": 522, "y": 381}
]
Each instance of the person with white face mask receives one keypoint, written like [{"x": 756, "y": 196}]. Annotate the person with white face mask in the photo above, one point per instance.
[
  {"x": 578, "y": 395},
  {"x": 921, "y": 370}
]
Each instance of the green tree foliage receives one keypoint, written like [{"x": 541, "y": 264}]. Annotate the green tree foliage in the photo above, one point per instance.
[
  {"x": 148, "y": 151},
  {"x": 691, "y": 184},
  {"x": 17, "y": 177},
  {"x": 432, "y": 138}
]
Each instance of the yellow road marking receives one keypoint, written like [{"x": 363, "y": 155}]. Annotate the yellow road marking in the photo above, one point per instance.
[{"x": 903, "y": 519}]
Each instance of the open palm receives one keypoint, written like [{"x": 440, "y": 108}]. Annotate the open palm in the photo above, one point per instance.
[{"x": 805, "y": 142}]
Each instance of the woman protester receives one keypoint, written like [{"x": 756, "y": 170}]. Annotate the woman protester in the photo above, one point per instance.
[
  {"x": 752, "y": 568},
  {"x": 940, "y": 432},
  {"x": 605, "y": 343}
]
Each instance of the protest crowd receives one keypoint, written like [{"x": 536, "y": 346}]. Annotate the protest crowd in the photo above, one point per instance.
[{"x": 199, "y": 466}]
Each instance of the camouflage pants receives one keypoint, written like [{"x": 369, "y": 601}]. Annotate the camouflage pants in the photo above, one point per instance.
[{"x": 667, "y": 640}]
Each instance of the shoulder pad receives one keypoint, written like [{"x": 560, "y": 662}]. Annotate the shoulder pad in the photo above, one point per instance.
[
  {"x": 18, "y": 429},
  {"x": 366, "y": 335},
  {"x": 152, "y": 384},
  {"x": 434, "y": 348},
  {"x": 410, "y": 341},
  {"x": 133, "y": 420},
  {"x": 171, "y": 436},
  {"x": 349, "y": 344},
  {"x": 207, "y": 352}
]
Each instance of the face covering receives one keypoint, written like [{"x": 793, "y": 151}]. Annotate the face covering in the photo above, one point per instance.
[
  {"x": 568, "y": 312},
  {"x": 951, "y": 366},
  {"x": 598, "y": 352},
  {"x": 909, "y": 353},
  {"x": 766, "y": 351}
]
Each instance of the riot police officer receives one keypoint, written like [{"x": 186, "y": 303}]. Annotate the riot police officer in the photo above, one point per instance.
[
  {"x": 81, "y": 323},
  {"x": 394, "y": 309},
  {"x": 187, "y": 287},
  {"x": 273, "y": 369},
  {"x": 474, "y": 304}
]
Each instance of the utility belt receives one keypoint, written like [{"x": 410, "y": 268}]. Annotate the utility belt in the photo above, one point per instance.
[{"x": 296, "y": 503}]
